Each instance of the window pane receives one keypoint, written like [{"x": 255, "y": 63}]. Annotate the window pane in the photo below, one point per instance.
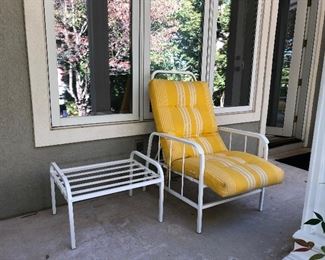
[
  {"x": 93, "y": 42},
  {"x": 236, "y": 25},
  {"x": 176, "y": 35}
]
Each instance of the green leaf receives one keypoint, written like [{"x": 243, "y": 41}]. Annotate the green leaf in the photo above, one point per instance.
[
  {"x": 323, "y": 226},
  {"x": 323, "y": 248},
  {"x": 319, "y": 216},
  {"x": 317, "y": 256},
  {"x": 313, "y": 221}
]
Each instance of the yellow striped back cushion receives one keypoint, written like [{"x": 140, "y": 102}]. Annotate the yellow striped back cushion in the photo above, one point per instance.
[{"x": 185, "y": 109}]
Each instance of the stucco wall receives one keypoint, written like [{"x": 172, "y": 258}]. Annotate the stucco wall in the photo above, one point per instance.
[{"x": 24, "y": 177}]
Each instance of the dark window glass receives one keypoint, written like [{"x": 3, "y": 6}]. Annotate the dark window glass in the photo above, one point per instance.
[{"x": 236, "y": 26}]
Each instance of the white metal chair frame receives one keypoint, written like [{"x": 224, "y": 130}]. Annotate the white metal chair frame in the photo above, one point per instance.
[
  {"x": 91, "y": 181},
  {"x": 200, "y": 205}
]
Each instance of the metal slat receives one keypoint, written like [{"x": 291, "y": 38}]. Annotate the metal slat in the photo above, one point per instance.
[
  {"x": 108, "y": 174},
  {"x": 114, "y": 190},
  {"x": 95, "y": 166},
  {"x": 77, "y": 174},
  {"x": 212, "y": 204},
  {"x": 185, "y": 176},
  {"x": 107, "y": 180},
  {"x": 114, "y": 185},
  {"x": 245, "y": 147}
]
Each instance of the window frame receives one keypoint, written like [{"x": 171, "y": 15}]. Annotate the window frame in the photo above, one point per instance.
[
  {"x": 146, "y": 47},
  {"x": 251, "y": 112},
  {"x": 257, "y": 43},
  {"x": 225, "y": 115},
  {"x": 46, "y": 134},
  {"x": 57, "y": 121}
]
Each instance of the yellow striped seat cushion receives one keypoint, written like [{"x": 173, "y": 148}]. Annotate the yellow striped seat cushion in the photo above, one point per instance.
[
  {"x": 185, "y": 109},
  {"x": 231, "y": 173}
]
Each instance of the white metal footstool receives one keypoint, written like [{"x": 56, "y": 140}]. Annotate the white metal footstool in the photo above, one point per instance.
[{"x": 91, "y": 181}]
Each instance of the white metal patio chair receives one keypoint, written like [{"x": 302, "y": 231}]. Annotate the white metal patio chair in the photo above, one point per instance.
[{"x": 193, "y": 149}]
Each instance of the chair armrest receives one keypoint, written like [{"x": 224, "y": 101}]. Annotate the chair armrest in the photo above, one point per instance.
[
  {"x": 195, "y": 145},
  {"x": 259, "y": 136},
  {"x": 263, "y": 141}
]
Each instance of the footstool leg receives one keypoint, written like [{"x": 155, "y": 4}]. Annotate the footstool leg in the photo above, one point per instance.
[
  {"x": 53, "y": 196},
  {"x": 71, "y": 222},
  {"x": 130, "y": 178}
]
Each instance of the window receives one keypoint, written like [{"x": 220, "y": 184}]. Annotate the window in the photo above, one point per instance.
[
  {"x": 93, "y": 75},
  {"x": 174, "y": 38},
  {"x": 236, "y": 25},
  {"x": 92, "y": 60},
  {"x": 176, "y": 35}
]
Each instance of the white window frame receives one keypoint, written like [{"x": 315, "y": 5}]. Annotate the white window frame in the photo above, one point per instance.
[
  {"x": 57, "y": 121},
  {"x": 251, "y": 112},
  {"x": 47, "y": 134},
  {"x": 225, "y": 115},
  {"x": 146, "y": 53},
  {"x": 44, "y": 132}
]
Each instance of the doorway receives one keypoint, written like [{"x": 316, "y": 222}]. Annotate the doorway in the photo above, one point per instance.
[
  {"x": 292, "y": 92},
  {"x": 287, "y": 67}
]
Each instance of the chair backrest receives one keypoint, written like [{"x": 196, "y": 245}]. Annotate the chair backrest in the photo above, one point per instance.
[{"x": 185, "y": 109}]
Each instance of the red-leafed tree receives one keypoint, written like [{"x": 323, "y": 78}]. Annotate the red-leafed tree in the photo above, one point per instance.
[{"x": 73, "y": 54}]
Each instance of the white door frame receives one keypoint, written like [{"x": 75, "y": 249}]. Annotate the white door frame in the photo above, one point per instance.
[
  {"x": 295, "y": 71},
  {"x": 313, "y": 77}
]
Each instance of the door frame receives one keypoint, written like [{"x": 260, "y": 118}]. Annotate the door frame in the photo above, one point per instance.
[{"x": 295, "y": 72}]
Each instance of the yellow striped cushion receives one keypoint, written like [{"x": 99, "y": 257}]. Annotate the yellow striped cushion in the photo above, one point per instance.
[
  {"x": 231, "y": 173},
  {"x": 185, "y": 109}
]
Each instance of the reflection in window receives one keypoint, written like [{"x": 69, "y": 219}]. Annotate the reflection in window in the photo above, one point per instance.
[
  {"x": 176, "y": 35},
  {"x": 93, "y": 43},
  {"x": 236, "y": 25}
]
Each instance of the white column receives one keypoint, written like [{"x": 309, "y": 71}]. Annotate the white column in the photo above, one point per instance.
[{"x": 315, "y": 193}]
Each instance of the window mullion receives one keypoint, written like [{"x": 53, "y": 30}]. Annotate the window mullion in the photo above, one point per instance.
[
  {"x": 135, "y": 25},
  {"x": 146, "y": 25}
]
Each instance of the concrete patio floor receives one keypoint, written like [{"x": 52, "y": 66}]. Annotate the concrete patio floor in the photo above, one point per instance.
[{"x": 123, "y": 227}]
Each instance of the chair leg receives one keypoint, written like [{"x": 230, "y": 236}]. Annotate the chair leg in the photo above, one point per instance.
[
  {"x": 71, "y": 222},
  {"x": 161, "y": 202},
  {"x": 261, "y": 204},
  {"x": 199, "y": 221},
  {"x": 199, "y": 211},
  {"x": 53, "y": 196}
]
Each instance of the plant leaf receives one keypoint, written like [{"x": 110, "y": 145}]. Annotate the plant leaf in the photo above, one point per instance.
[
  {"x": 319, "y": 216},
  {"x": 304, "y": 243},
  {"x": 317, "y": 256},
  {"x": 302, "y": 249},
  {"x": 313, "y": 221},
  {"x": 323, "y": 226},
  {"x": 323, "y": 248},
  {"x": 301, "y": 242}
]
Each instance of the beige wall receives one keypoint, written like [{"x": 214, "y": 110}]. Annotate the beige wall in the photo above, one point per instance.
[{"x": 24, "y": 176}]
